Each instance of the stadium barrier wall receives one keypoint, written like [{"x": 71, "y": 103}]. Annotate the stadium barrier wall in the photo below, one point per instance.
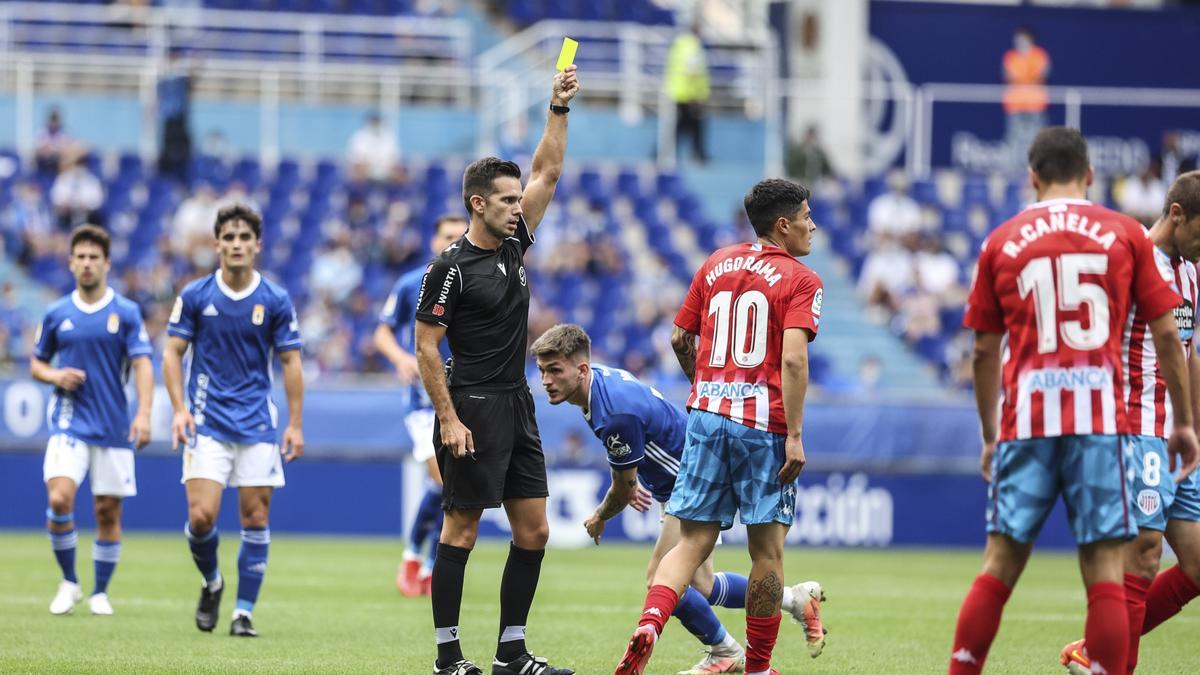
[{"x": 879, "y": 475}]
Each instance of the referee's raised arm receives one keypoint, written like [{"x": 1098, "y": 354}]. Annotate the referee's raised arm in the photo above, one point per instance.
[{"x": 548, "y": 158}]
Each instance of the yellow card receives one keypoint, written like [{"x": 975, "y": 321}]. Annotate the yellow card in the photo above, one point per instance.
[{"x": 567, "y": 56}]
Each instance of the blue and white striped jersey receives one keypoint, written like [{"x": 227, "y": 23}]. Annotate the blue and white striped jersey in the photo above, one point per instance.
[{"x": 639, "y": 428}]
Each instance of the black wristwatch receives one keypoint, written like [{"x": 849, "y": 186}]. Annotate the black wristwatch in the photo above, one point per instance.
[{"x": 559, "y": 109}]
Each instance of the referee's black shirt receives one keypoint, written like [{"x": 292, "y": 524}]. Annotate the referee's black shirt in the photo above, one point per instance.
[{"x": 481, "y": 296}]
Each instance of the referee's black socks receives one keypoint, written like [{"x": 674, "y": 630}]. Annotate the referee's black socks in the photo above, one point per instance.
[
  {"x": 446, "y": 587},
  {"x": 517, "y": 587}
]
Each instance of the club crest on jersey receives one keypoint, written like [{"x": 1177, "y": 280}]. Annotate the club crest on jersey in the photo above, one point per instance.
[
  {"x": 114, "y": 323},
  {"x": 258, "y": 315},
  {"x": 616, "y": 447},
  {"x": 1148, "y": 501}
]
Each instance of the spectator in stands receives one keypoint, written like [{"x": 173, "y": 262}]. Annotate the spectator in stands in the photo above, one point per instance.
[
  {"x": 1143, "y": 195},
  {"x": 937, "y": 273},
  {"x": 806, "y": 161},
  {"x": 335, "y": 272},
  {"x": 888, "y": 275},
  {"x": 688, "y": 87},
  {"x": 191, "y": 229},
  {"x": 1026, "y": 67},
  {"x": 26, "y": 221},
  {"x": 174, "y": 105},
  {"x": 374, "y": 148},
  {"x": 76, "y": 194},
  {"x": 1172, "y": 156},
  {"x": 53, "y": 145},
  {"x": 893, "y": 214}
]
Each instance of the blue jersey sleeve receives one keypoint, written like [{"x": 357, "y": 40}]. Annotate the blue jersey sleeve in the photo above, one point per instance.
[
  {"x": 390, "y": 314},
  {"x": 285, "y": 326},
  {"x": 182, "y": 323},
  {"x": 624, "y": 439},
  {"x": 45, "y": 344},
  {"x": 137, "y": 340}
]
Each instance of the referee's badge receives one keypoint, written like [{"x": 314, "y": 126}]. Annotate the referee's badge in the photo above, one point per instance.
[
  {"x": 260, "y": 313},
  {"x": 114, "y": 323}
]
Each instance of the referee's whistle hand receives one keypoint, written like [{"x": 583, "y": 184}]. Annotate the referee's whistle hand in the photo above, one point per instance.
[{"x": 457, "y": 437}]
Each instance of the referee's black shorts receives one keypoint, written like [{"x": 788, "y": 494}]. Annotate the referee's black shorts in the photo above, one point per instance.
[{"x": 508, "y": 462}]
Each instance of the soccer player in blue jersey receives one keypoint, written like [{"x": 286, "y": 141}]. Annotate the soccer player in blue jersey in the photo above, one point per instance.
[
  {"x": 234, "y": 321},
  {"x": 96, "y": 337},
  {"x": 394, "y": 339},
  {"x": 644, "y": 435}
]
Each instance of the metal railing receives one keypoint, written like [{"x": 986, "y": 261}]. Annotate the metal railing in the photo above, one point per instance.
[{"x": 624, "y": 65}]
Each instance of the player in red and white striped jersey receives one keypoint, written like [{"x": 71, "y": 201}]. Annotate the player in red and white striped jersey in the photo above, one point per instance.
[
  {"x": 1158, "y": 504},
  {"x": 742, "y": 339},
  {"x": 1057, "y": 281}
]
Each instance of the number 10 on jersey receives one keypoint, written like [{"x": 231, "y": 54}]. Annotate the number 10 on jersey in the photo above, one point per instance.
[{"x": 746, "y": 318}]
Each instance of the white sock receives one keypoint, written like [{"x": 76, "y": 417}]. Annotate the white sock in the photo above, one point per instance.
[
  {"x": 240, "y": 612},
  {"x": 216, "y": 584},
  {"x": 727, "y": 646},
  {"x": 789, "y": 599},
  {"x": 761, "y": 672}
]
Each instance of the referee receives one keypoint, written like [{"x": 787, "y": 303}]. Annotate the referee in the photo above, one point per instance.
[{"x": 476, "y": 295}]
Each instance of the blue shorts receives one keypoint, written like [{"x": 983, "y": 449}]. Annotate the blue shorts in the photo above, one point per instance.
[
  {"x": 1153, "y": 485},
  {"x": 729, "y": 467},
  {"x": 1089, "y": 472},
  {"x": 1187, "y": 500}
]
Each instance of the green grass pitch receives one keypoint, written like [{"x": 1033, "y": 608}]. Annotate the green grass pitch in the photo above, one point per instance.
[{"x": 329, "y": 605}]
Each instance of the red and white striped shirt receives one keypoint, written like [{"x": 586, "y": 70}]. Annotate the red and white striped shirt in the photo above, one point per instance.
[
  {"x": 1149, "y": 407},
  {"x": 1060, "y": 278},
  {"x": 740, "y": 302}
]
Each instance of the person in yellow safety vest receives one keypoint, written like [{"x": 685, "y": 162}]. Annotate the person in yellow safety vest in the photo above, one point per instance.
[
  {"x": 1026, "y": 67},
  {"x": 688, "y": 85}
]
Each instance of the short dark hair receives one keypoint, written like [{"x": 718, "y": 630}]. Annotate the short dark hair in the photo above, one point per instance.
[
  {"x": 565, "y": 339},
  {"x": 772, "y": 199},
  {"x": 477, "y": 179},
  {"x": 238, "y": 212},
  {"x": 1059, "y": 155},
  {"x": 448, "y": 218},
  {"x": 1185, "y": 191},
  {"x": 1027, "y": 30},
  {"x": 91, "y": 234}
]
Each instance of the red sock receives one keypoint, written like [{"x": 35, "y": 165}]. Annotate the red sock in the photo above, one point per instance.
[
  {"x": 1107, "y": 627},
  {"x": 660, "y": 603},
  {"x": 1135, "y": 605},
  {"x": 978, "y": 621},
  {"x": 1168, "y": 593},
  {"x": 761, "y": 633}
]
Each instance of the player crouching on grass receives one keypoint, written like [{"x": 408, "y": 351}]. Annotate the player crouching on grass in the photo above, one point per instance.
[
  {"x": 644, "y": 436},
  {"x": 96, "y": 336},
  {"x": 234, "y": 321}
]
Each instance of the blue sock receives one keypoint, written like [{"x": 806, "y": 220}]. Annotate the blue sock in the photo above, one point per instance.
[
  {"x": 252, "y": 566},
  {"x": 204, "y": 552},
  {"x": 426, "y": 519},
  {"x": 729, "y": 590},
  {"x": 64, "y": 544},
  {"x": 697, "y": 616},
  {"x": 105, "y": 555}
]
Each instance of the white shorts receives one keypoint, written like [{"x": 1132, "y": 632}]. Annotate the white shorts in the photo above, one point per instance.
[
  {"x": 112, "y": 468},
  {"x": 420, "y": 427},
  {"x": 233, "y": 464}
]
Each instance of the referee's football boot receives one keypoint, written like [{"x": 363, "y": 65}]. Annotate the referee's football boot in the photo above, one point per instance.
[
  {"x": 528, "y": 664},
  {"x": 241, "y": 627},
  {"x": 460, "y": 667},
  {"x": 208, "y": 607}
]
